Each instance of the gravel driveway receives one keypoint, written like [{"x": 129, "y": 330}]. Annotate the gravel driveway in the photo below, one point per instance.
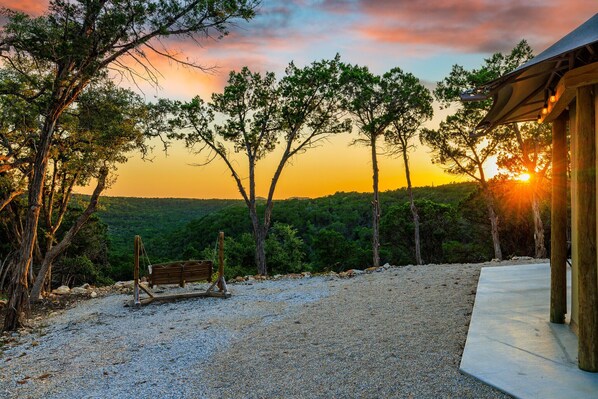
[{"x": 396, "y": 333}]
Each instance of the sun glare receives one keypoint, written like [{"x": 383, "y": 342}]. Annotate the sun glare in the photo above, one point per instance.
[{"x": 524, "y": 177}]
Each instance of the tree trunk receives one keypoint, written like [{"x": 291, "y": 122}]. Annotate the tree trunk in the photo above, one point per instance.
[
  {"x": 260, "y": 251},
  {"x": 414, "y": 213},
  {"x": 538, "y": 228},
  {"x": 17, "y": 309},
  {"x": 55, "y": 251},
  {"x": 493, "y": 225},
  {"x": 259, "y": 235},
  {"x": 375, "y": 207}
]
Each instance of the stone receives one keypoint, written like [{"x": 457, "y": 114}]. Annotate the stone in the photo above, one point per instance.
[
  {"x": 3, "y": 303},
  {"x": 62, "y": 290},
  {"x": 239, "y": 279},
  {"x": 124, "y": 284},
  {"x": 93, "y": 294},
  {"x": 343, "y": 274},
  {"x": 78, "y": 291},
  {"x": 306, "y": 274},
  {"x": 86, "y": 286},
  {"x": 371, "y": 269},
  {"x": 522, "y": 258}
]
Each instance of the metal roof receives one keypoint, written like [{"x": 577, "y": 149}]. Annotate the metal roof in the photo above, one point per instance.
[{"x": 519, "y": 96}]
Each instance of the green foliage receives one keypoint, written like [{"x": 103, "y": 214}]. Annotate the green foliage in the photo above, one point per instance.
[
  {"x": 460, "y": 80},
  {"x": 285, "y": 251},
  {"x": 439, "y": 223}
]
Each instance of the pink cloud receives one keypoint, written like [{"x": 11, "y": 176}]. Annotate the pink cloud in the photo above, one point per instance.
[{"x": 473, "y": 25}]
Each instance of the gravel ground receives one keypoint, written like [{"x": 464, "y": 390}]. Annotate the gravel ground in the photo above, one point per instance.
[{"x": 396, "y": 333}]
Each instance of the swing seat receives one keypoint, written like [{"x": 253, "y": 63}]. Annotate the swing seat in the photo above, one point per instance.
[{"x": 181, "y": 272}]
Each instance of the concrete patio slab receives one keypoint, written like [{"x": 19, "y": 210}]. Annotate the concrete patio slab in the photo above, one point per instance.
[{"x": 512, "y": 346}]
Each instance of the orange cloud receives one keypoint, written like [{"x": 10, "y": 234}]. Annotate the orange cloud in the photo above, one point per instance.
[{"x": 32, "y": 7}]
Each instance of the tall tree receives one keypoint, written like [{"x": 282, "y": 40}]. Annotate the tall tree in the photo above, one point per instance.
[
  {"x": 255, "y": 115},
  {"x": 415, "y": 107},
  {"x": 529, "y": 151},
  {"x": 104, "y": 125},
  {"x": 374, "y": 103},
  {"x": 74, "y": 42},
  {"x": 457, "y": 143},
  {"x": 463, "y": 153}
]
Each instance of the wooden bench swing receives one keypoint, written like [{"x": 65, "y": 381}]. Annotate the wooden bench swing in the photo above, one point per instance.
[{"x": 180, "y": 272}]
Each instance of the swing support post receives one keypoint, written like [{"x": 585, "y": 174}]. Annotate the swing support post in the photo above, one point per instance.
[{"x": 136, "y": 272}]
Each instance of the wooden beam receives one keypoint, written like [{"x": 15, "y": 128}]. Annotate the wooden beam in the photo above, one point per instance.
[
  {"x": 558, "y": 222},
  {"x": 566, "y": 89},
  {"x": 180, "y": 296},
  {"x": 586, "y": 227}
]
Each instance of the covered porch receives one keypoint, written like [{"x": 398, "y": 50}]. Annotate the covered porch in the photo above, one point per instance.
[{"x": 534, "y": 329}]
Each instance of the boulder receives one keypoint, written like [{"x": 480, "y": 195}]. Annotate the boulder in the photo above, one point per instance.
[
  {"x": 78, "y": 291},
  {"x": 239, "y": 279},
  {"x": 3, "y": 303},
  {"x": 371, "y": 269},
  {"x": 62, "y": 290},
  {"x": 93, "y": 294},
  {"x": 86, "y": 286}
]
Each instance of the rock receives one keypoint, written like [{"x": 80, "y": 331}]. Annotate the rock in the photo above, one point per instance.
[
  {"x": 343, "y": 274},
  {"x": 386, "y": 265},
  {"x": 3, "y": 303},
  {"x": 371, "y": 269},
  {"x": 78, "y": 291},
  {"x": 354, "y": 272},
  {"x": 277, "y": 277},
  {"x": 495, "y": 260},
  {"x": 306, "y": 274},
  {"x": 522, "y": 258},
  {"x": 86, "y": 286},
  {"x": 62, "y": 290},
  {"x": 239, "y": 279},
  {"x": 93, "y": 294},
  {"x": 294, "y": 275},
  {"x": 124, "y": 284}
]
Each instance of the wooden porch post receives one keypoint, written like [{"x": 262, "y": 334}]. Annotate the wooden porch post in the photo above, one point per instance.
[
  {"x": 574, "y": 220},
  {"x": 558, "y": 217},
  {"x": 586, "y": 226}
]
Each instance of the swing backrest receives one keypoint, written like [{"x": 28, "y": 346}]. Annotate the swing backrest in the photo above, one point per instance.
[{"x": 181, "y": 272}]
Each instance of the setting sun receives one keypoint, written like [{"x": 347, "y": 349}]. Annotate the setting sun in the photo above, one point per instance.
[{"x": 524, "y": 177}]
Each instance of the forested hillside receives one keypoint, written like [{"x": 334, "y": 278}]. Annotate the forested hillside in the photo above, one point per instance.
[{"x": 328, "y": 233}]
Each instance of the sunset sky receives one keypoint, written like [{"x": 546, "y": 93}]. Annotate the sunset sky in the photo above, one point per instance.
[{"x": 424, "y": 37}]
